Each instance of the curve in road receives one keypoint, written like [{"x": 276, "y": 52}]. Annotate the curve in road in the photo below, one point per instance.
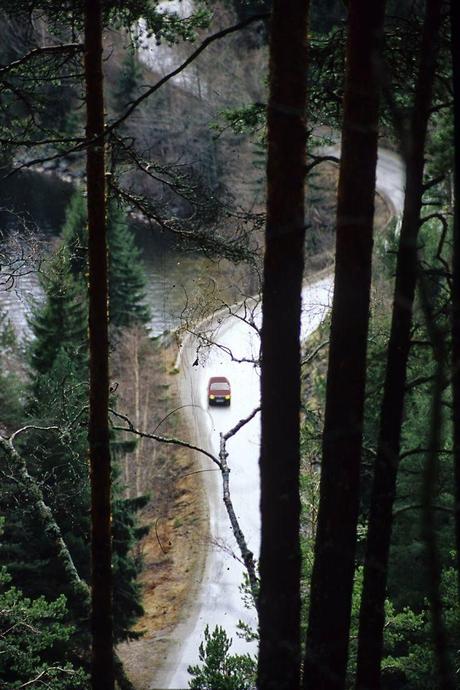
[{"x": 219, "y": 600}]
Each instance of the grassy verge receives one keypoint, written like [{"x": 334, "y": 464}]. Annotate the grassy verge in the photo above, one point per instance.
[{"x": 174, "y": 550}]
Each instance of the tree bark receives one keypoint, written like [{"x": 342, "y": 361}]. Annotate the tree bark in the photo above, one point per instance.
[
  {"x": 334, "y": 563},
  {"x": 455, "y": 49},
  {"x": 102, "y": 670},
  {"x": 372, "y": 615},
  {"x": 279, "y": 596}
]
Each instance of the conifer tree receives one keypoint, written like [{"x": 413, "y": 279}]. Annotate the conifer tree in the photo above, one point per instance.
[
  {"x": 126, "y": 275},
  {"x": 60, "y": 322},
  {"x": 57, "y": 396},
  {"x": 75, "y": 234},
  {"x": 128, "y": 82}
]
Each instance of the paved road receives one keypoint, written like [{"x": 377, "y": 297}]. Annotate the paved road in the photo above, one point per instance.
[{"x": 219, "y": 600}]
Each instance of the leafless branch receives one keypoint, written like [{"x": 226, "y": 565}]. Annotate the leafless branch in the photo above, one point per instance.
[
  {"x": 28, "y": 428},
  {"x": 161, "y": 439},
  {"x": 221, "y": 462},
  {"x": 313, "y": 354},
  {"x": 241, "y": 424},
  {"x": 43, "y": 50}
]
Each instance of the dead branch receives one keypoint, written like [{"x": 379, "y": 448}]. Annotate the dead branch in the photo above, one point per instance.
[
  {"x": 43, "y": 50},
  {"x": 221, "y": 462}
]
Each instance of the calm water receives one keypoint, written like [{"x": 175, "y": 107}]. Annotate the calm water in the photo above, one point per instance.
[{"x": 32, "y": 212}]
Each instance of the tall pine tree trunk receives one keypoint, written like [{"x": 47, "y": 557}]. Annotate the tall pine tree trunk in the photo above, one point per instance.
[
  {"x": 334, "y": 563},
  {"x": 279, "y": 599},
  {"x": 370, "y": 643},
  {"x": 455, "y": 47},
  {"x": 102, "y": 672}
]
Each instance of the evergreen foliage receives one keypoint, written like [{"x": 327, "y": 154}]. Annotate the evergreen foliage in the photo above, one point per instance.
[
  {"x": 60, "y": 322},
  {"x": 75, "y": 235},
  {"x": 36, "y": 642},
  {"x": 221, "y": 670},
  {"x": 126, "y": 275},
  {"x": 11, "y": 386},
  {"x": 57, "y": 397},
  {"x": 127, "y": 87}
]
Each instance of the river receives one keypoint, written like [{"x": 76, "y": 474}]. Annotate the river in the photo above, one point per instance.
[{"x": 32, "y": 213}]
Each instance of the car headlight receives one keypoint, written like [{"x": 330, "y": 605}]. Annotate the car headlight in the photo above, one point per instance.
[
  {"x": 227, "y": 397},
  {"x": 212, "y": 397}
]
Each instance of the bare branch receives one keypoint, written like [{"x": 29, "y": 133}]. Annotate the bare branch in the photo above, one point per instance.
[
  {"x": 28, "y": 428},
  {"x": 160, "y": 439},
  {"x": 207, "y": 42},
  {"x": 240, "y": 424},
  {"x": 221, "y": 462},
  {"x": 313, "y": 354},
  {"x": 43, "y": 50},
  {"x": 246, "y": 554}
]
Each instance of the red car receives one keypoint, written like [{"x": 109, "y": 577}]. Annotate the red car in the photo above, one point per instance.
[{"x": 219, "y": 391}]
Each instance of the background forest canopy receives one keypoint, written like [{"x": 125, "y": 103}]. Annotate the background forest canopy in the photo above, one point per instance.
[{"x": 186, "y": 159}]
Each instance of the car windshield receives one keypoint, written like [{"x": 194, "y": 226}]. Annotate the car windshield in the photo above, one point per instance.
[{"x": 219, "y": 386}]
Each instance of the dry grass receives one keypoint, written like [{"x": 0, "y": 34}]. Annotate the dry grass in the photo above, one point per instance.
[{"x": 174, "y": 549}]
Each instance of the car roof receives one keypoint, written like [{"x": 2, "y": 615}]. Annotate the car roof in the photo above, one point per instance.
[{"x": 218, "y": 379}]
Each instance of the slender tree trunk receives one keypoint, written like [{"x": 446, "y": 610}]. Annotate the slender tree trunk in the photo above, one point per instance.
[
  {"x": 102, "y": 671},
  {"x": 370, "y": 643},
  {"x": 333, "y": 569},
  {"x": 455, "y": 46},
  {"x": 445, "y": 676},
  {"x": 279, "y": 598}
]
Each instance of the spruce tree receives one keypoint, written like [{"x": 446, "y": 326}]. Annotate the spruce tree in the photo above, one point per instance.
[
  {"x": 60, "y": 321},
  {"x": 75, "y": 234},
  {"x": 127, "y": 88},
  {"x": 58, "y": 397},
  {"x": 126, "y": 276}
]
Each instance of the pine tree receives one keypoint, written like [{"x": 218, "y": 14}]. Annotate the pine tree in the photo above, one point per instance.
[{"x": 36, "y": 642}]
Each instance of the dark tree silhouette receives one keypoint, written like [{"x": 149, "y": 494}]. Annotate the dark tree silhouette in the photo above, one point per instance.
[
  {"x": 279, "y": 599},
  {"x": 455, "y": 48},
  {"x": 102, "y": 671},
  {"x": 370, "y": 643},
  {"x": 334, "y": 562}
]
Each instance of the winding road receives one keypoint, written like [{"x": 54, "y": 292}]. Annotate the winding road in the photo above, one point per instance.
[{"x": 219, "y": 599}]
